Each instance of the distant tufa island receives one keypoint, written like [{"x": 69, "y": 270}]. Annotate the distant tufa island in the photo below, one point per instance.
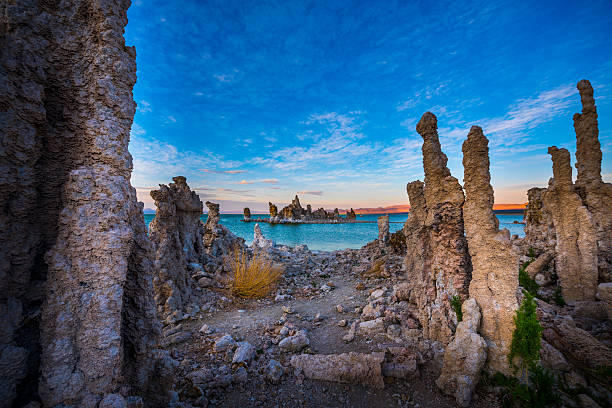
[{"x": 294, "y": 213}]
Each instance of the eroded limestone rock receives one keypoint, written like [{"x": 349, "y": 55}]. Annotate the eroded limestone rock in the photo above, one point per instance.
[
  {"x": 494, "y": 261},
  {"x": 464, "y": 357},
  {"x": 247, "y": 214},
  {"x": 177, "y": 235},
  {"x": 75, "y": 261},
  {"x": 352, "y": 368},
  {"x": 576, "y": 233},
  {"x": 383, "y": 229},
  {"x": 273, "y": 210},
  {"x": 596, "y": 195},
  {"x": 437, "y": 261}
]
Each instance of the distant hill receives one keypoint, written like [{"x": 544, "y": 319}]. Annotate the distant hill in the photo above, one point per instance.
[{"x": 403, "y": 208}]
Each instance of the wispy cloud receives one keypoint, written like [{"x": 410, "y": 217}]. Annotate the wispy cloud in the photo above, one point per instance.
[
  {"x": 304, "y": 192},
  {"x": 143, "y": 107},
  {"x": 339, "y": 144},
  {"x": 223, "y": 171},
  {"x": 265, "y": 181}
]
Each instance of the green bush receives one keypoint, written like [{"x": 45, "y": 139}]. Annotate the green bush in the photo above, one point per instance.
[
  {"x": 525, "y": 280},
  {"x": 539, "y": 392},
  {"x": 558, "y": 297},
  {"x": 456, "y": 305},
  {"x": 527, "y": 336}
]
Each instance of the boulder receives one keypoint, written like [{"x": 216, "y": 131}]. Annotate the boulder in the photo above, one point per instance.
[
  {"x": 294, "y": 343},
  {"x": 244, "y": 353},
  {"x": 352, "y": 368}
]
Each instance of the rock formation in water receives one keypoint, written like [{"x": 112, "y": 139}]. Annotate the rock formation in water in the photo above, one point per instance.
[
  {"x": 75, "y": 262},
  {"x": 350, "y": 215},
  {"x": 494, "y": 261},
  {"x": 576, "y": 233},
  {"x": 383, "y": 229},
  {"x": 177, "y": 235},
  {"x": 293, "y": 211},
  {"x": 464, "y": 357},
  {"x": 273, "y": 210},
  {"x": 247, "y": 214},
  {"x": 437, "y": 260},
  {"x": 596, "y": 195}
]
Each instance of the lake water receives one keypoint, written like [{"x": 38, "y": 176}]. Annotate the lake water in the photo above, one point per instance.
[{"x": 330, "y": 237}]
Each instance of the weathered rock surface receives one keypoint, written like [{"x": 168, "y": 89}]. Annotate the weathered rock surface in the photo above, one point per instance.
[
  {"x": 596, "y": 195},
  {"x": 352, "y": 368},
  {"x": 383, "y": 229},
  {"x": 437, "y": 261},
  {"x": 494, "y": 261},
  {"x": 273, "y": 210},
  {"x": 464, "y": 357},
  {"x": 604, "y": 293},
  {"x": 539, "y": 227},
  {"x": 576, "y": 233},
  {"x": 294, "y": 343},
  {"x": 219, "y": 242},
  {"x": 259, "y": 241},
  {"x": 75, "y": 261},
  {"x": 247, "y": 214},
  {"x": 575, "y": 220},
  {"x": 578, "y": 345},
  {"x": 539, "y": 264},
  {"x": 177, "y": 235}
]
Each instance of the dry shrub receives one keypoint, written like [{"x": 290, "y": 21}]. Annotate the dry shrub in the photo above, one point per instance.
[
  {"x": 377, "y": 269},
  {"x": 253, "y": 277}
]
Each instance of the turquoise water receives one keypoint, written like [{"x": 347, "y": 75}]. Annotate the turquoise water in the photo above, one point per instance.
[{"x": 330, "y": 237}]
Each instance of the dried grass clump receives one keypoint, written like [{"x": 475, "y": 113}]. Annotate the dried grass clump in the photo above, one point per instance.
[
  {"x": 377, "y": 269},
  {"x": 253, "y": 277}
]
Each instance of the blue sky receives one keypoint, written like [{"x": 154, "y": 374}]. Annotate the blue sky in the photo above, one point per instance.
[{"x": 258, "y": 101}]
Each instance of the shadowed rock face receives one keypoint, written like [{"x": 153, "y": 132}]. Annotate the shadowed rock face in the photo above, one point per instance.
[
  {"x": 177, "y": 235},
  {"x": 437, "y": 261},
  {"x": 575, "y": 231},
  {"x": 596, "y": 195},
  {"x": 68, "y": 215},
  {"x": 494, "y": 261},
  {"x": 247, "y": 213}
]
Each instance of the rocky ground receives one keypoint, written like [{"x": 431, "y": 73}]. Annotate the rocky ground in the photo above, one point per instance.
[{"x": 238, "y": 352}]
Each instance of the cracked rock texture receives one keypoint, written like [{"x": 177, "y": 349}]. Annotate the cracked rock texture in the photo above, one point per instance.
[
  {"x": 437, "y": 260},
  {"x": 177, "y": 235},
  {"x": 464, "y": 357},
  {"x": 576, "y": 239},
  {"x": 494, "y": 261},
  {"x": 352, "y": 368},
  {"x": 75, "y": 261},
  {"x": 539, "y": 227},
  {"x": 596, "y": 195}
]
